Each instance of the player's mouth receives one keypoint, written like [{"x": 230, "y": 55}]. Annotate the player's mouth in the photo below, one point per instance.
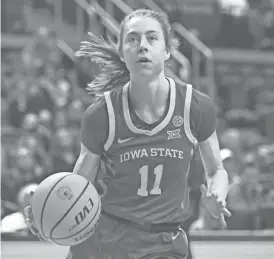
[{"x": 144, "y": 60}]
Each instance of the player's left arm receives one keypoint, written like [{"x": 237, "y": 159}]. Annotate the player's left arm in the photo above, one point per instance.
[
  {"x": 204, "y": 121},
  {"x": 217, "y": 177},
  {"x": 213, "y": 197}
]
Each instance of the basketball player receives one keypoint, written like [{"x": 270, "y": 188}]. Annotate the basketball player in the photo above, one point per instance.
[{"x": 145, "y": 128}]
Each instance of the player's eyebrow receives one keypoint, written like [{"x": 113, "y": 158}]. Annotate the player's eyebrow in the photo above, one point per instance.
[{"x": 137, "y": 32}]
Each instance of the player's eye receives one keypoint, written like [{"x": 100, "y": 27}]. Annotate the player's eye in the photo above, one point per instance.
[
  {"x": 152, "y": 38},
  {"x": 132, "y": 39}
]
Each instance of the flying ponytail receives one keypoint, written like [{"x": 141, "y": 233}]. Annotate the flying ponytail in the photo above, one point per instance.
[{"x": 113, "y": 71}]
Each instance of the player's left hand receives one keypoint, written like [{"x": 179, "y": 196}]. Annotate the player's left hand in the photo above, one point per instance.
[
  {"x": 212, "y": 203},
  {"x": 30, "y": 222}
]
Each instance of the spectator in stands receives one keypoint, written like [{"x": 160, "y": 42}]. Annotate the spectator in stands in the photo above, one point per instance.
[
  {"x": 8, "y": 183},
  {"x": 38, "y": 100},
  {"x": 76, "y": 111},
  {"x": 267, "y": 208},
  {"x": 26, "y": 166},
  {"x": 268, "y": 23},
  {"x": 266, "y": 162},
  {"x": 232, "y": 165},
  {"x": 234, "y": 31},
  {"x": 15, "y": 221},
  {"x": 45, "y": 128},
  {"x": 4, "y": 112},
  {"x": 61, "y": 119},
  {"x": 244, "y": 197},
  {"x": 62, "y": 93},
  {"x": 28, "y": 98},
  {"x": 64, "y": 150},
  {"x": 266, "y": 158}
]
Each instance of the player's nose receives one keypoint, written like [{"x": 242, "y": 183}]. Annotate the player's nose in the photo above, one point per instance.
[{"x": 143, "y": 44}]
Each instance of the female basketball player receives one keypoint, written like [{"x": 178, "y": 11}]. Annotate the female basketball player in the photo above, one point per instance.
[{"x": 145, "y": 128}]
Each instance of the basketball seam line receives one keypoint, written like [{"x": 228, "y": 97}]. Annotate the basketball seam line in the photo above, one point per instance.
[
  {"x": 58, "y": 238},
  {"x": 68, "y": 210},
  {"x": 44, "y": 205}
]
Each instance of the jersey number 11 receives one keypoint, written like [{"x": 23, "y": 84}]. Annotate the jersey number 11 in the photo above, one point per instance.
[{"x": 156, "y": 190}]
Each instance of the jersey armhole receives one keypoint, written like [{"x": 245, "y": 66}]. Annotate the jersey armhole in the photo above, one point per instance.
[
  {"x": 188, "y": 98},
  {"x": 111, "y": 122}
]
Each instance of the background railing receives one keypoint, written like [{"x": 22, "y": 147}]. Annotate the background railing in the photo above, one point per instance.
[
  {"x": 103, "y": 18},
  {"x": 199, "y": 52}
]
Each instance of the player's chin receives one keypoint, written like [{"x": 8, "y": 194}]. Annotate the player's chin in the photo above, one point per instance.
[
  {"x": 146, "y": 72},
  {"x": 144, "y": 68}
]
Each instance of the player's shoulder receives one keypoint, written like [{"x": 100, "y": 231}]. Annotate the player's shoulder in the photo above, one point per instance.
[
  {"x": 198, "y": 98},
  {"x": 202, "y": 104},
  {"x": 203, "y": 114},
  {"x": 99, "y": 109},
  {"x": 96, "y": 109},
  {"x": 180, "y": 85},
  {"x": 201, "y": 99}
]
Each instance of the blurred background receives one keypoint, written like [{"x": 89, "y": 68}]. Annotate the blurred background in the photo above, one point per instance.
[{"x": 226, "y": 51}]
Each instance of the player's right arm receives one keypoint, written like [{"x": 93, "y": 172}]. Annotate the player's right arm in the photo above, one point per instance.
[
  {"x": 94, "y": 134},
  {"x": 87, "y": 164}
]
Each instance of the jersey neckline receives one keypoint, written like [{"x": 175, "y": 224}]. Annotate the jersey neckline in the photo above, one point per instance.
[{"x": 158, "y": 127}]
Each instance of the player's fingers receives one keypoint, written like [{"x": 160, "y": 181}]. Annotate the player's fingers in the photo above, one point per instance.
[
  {"x": 221, "y": 202},
  {"x": 41, "y": 238},
  {"x": 31, "y": 226},
  {"x": 27, "y": 212},
  {"x": 204, "y": 191},
  {"x": 28, "y": 222},
  {"x": 226, "y": 212},
  {"x": 223, "y": 222},
  {"x": 33, "y": 230}
]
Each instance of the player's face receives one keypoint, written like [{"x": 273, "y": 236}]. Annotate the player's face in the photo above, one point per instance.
[{"x": 144, "y": 48}]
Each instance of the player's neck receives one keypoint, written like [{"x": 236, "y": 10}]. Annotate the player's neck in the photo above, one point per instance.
[{"x": 152, "y": 93}]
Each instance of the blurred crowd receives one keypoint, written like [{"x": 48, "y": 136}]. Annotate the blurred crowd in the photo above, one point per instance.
[
  {"x": 41, "y": 114},
  {"x": 247, "y": 24},
  {"x": 235, "y": 24},
  {"x": 248, "y": 157}
]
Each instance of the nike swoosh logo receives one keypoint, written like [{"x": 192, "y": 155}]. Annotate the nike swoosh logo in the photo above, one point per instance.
[
  {"x": 121, "y": 141},
  {"x": 174, "y": 237}
]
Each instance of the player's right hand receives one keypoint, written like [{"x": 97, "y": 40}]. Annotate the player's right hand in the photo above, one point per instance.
[{"x": 30, "y": 222}]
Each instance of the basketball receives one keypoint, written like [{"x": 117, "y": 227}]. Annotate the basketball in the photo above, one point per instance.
[{"x": 66, "y": 208}]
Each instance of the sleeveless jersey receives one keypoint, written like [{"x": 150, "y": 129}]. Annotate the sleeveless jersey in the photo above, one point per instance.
[{"x": 147, "y": 170}]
